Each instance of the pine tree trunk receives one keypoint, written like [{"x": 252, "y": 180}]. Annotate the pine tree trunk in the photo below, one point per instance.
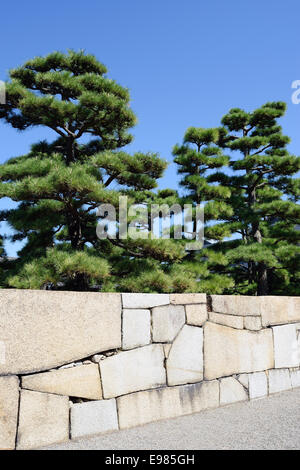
[
  {"x": 262, "y": 273},
  {"x": 262, "y": 284},
  {"x": 80, "y": 283},
  {"x": 70, "y": 150}
]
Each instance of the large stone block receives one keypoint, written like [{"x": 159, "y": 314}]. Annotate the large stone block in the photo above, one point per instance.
[
  {"x": 185, "y": 299},
  {"x": 234, "y": 321},
  {"x": 144, "y": 300},
  {"x": 295, "y": 315},
  {"x": 242, "y": 305},
  {"x": 252, "y": 323},
  {"x": 167, "y": 322},
  {"x": 94, "y": 417},
  {"x": 277, "y": 310},
  {"x": 42, "y": 330},
  {"x": 286, "y": 346},
  {"x": 9, "y": 403},
  {"x": 164, "y": 403},
  {"x": 82, "y": 381},
  {"x": 258, "y": 385},
  {"x": 131, "y": 371},
  {"x": 185, "y": 360},
  {"x": 279, "y": 380},
  {"x": 228, "y": 351},
  {"x": 231, "y": 391},
  {"x": 136, "y": 328},
  {"x": 295, "y": 378},
  {"x": 196, "y": 314},
  {"x": 44, "y": 420}
]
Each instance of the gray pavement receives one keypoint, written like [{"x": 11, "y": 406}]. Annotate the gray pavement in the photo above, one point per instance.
[{"x": 268, "y": 423}]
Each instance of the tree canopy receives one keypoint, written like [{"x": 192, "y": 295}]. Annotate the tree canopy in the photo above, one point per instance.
[
  {"x": 241, "y": 171},
  {"x": 58, "y": 185},
  {"x": 253, "y": 195}
]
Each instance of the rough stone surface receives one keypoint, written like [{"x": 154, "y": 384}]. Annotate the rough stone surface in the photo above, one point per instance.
[
  {"x": 136, "y": 328},
  {"x": 9, "y": 403},
  {"x": 196, "y": 314},
  {"x": 296, "y": 309},
  {"x": 228, "y": 351},
  {"x": 231, "y": 391},
  {"x": 279, "y": 380},
  {"x": 295, "y": 378},
  {"x": 93, "y": 417},
  {"x": 252, "y": 323},
  {"x": 185, "y": 299},
  {"x": 167, "y": 322},
  {"x": 144, "y": 407},
  {"x": 285, "y": 346},
  {"x": 131, "y": 371},
  {"x": 44, "y": 419},
  {"x": 82, "y": 381},
  {"x": 242, "y": 305},
  {"x": 233, "y": 321},
  {"x": 185, "y": 361},
  {"x": 247, "y": 358},
  {"x": 45, "y": 329},
  {"x": 277, "y": 310},
  {"x": 258, "y": 385},
  {"x": 144, "y": 300}
]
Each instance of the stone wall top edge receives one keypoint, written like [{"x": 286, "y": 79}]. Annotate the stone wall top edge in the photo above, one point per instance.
[
  {"x": 260, "y": 297},
  {"x": 57, "y": 292},
  {"x": 227, "y": 296}
]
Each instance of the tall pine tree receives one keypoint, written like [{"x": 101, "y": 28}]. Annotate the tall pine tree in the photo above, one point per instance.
[
  {"x": 256, "y": 242},
  {"x": 197, "y": 159},
  {"x": 265, "y": 259},
  {"x": 58, "y": 185},
  {"x": 2, "y": 261}
]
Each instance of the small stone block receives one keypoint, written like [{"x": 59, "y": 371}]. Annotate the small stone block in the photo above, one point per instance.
[
  {"x": 196, "y": 314},
  {"x": 94, "y": 417},
  {"x": 136, "y": 328}
]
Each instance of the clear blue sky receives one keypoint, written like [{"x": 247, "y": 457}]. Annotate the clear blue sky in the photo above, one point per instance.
[{"x": 186, "y": 63}]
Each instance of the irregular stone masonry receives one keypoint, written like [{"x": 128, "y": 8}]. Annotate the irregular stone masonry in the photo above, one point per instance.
[{"x": 76, "y": 364}]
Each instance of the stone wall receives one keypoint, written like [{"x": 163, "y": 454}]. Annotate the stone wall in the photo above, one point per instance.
[{"x": 77, "y": 364}]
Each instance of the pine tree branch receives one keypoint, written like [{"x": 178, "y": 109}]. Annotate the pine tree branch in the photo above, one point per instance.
[
  {"x": 55, "y": 129},
  {"x": 92, "y": 207},
  {"x": 249, "y": 129},
  {"x": 121, "y": 245},
  {"x": 109, "y": 180},
  {"x": 70, "y": 133},
  {"x": 81, "y": 131},
  {"x": 260, "y": 151},
  {"x": 59, "y": 228}
]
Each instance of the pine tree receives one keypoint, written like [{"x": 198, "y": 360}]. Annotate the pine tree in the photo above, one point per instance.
[
  {"x": 263, "y": 253},
  {"x": 254, "y": 203},
  {"x": 197, "y": 159},
  {"x": 58, "y": 185},
  {"x": 2, "y": 261}
]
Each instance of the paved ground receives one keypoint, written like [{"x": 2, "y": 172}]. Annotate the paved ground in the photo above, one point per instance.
[{"x": 269, "y": 423}]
